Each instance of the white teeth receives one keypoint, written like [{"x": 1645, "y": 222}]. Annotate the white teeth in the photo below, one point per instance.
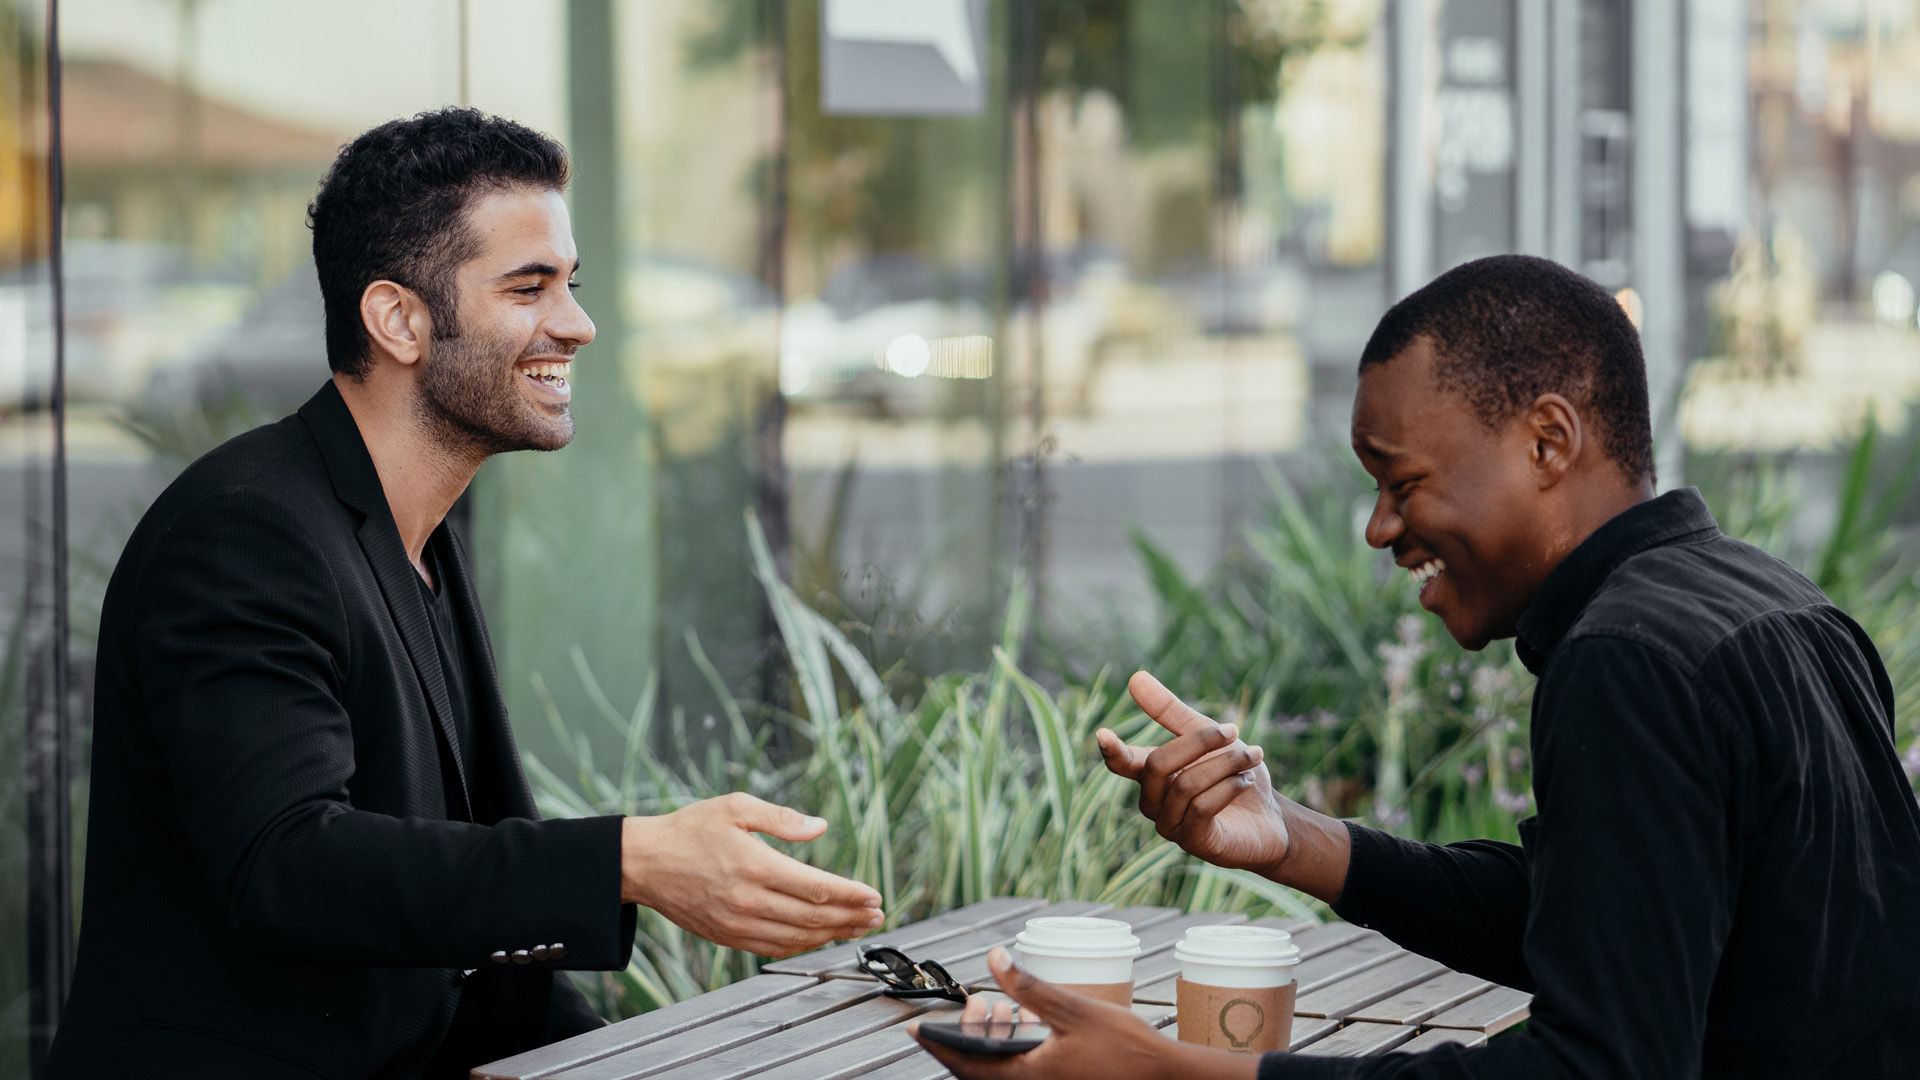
[
  {"x": 1427, "y": 571},
  {"x": 541, "y": 371}
]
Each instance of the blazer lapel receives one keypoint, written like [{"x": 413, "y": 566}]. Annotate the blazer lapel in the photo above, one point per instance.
[
  {"x": 500, "y": 757},
  {"x": 358, "y": 485}
]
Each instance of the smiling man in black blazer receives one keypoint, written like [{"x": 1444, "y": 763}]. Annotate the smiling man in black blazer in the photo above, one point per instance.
[{"x": 312, "y": 852}]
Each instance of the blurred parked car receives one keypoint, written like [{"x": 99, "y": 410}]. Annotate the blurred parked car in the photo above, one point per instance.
[
  {"x": 129, "y": 306},
  {"x": 273, "y": 356}
]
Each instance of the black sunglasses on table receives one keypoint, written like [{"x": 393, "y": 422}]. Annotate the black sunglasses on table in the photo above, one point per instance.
[{"x": 908, "y": 978}]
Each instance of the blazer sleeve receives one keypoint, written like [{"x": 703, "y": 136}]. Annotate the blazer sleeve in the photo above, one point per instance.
[{"x": 244, "y": 649}]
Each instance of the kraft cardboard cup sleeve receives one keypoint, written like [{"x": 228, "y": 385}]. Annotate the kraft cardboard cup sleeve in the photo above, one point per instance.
[
  {"x": 1091, "y": 956},
  {"x": 1236, "y": 987}
]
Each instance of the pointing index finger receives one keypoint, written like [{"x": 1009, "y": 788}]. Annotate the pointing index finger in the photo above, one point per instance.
[{"x": 1160, "y": 703}]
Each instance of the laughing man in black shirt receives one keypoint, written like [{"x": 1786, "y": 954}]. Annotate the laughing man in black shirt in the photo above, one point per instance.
[{"x": 1724, "y": 875}]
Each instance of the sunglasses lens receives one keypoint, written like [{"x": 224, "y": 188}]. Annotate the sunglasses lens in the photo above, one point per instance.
[{"x": 888, "y": 964}]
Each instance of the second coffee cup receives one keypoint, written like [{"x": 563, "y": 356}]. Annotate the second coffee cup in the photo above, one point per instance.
[
  {"x": 1236, "y": 987},
  {"x": 1091, "y": 956}
]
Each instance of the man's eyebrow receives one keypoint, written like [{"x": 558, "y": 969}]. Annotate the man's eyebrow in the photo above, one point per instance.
[
  {"x": 537, "y": 269},
  {"x": 1367, "y": 444}
]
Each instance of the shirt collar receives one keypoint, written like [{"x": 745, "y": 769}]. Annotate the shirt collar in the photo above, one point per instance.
[{"x": 1669, "y": 518}]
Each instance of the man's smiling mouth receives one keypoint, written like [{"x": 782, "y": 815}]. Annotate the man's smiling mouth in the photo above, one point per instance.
[
  {"x": 549, "y": 374},
  {"x": 1426, "y": 572}
]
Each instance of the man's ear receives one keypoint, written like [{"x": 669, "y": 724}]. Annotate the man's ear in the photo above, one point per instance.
[
  {"x": 1558, "y": 438},
  {"x": 397, "y": 321}
]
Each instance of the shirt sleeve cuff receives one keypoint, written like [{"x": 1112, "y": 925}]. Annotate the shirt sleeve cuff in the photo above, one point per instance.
[{"x": 1377, "y": 859}]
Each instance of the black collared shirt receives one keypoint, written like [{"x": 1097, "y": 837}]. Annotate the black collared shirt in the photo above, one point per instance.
[{"x": 1723, "y": 878}]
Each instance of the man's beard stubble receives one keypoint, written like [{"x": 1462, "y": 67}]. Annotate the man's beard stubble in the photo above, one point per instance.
[{"x": 469, "y": 400}]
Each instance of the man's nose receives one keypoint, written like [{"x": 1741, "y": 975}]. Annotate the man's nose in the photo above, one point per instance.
[
  {"x": 1384, "y": 526},
  {"x": 571, "y": 324}
]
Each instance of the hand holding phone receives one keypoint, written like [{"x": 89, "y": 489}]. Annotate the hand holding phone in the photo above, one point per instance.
[{"x": 994, "y": 1037}]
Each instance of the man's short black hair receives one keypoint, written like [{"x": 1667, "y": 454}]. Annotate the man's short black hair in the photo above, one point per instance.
[
  {"x": 1509, "y": 328},
  {"x": 393, "y": 207}
]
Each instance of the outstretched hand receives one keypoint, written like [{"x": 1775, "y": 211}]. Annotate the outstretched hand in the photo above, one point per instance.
[
  {"x": 702, "y": 867},
  {"x": 1204, "y": 790},
  {"x": 1090, "y": 1040}
]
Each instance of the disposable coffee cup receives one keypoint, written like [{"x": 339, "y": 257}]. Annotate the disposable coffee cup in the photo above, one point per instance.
[
  {"x": 1236, "y": 987},
  {"x": 1090, "y": 956}
]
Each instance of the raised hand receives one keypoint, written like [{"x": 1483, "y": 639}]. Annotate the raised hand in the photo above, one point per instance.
[
  {"x": 702, "y": 867},
  {"x": 1204, "y": 790}
]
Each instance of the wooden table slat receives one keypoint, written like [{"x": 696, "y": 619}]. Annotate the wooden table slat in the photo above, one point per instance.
[
  {"x": 800, "y": 1040},
  {"x": 1350, "y": 959},
  {"x": 647, "y": 1027},
  {"x": 1342, "y": 998},
  {"x": 727, "y": 1032},
  {"x": 915, "y": 1066},
  {"x": 1417, "y": 1002},
  {"x": 1308, "y": 1030},
  {"x": 1494, "y": 1011},
  {"x": 910, "y": 936},
  {"x": 1356, "y": 1039},
  {"x": 1433, "y": 1037},
  {"x": 1327, "y": 937},
  {"x": 855, "y": 1057}
]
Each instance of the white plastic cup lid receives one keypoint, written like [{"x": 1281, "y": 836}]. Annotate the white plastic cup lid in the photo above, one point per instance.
[
  {"x": 1238, "y": 946},
  {"x": 1076, "y": 936}
]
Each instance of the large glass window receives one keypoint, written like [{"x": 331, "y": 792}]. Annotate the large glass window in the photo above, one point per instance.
[{"x": 1002, "y": 298}]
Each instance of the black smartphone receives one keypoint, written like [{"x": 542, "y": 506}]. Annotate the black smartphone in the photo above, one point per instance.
[{"x": 998, "y": 1038}]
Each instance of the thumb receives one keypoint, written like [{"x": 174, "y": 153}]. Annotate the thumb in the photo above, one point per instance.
[
  {"x": 1122, "y": 760},
  {"x": 780, "y": 822},
  {"x": 1060, "y": 1008}
]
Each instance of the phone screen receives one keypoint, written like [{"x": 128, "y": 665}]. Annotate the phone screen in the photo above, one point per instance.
[{"x": 985, "y": 1036}]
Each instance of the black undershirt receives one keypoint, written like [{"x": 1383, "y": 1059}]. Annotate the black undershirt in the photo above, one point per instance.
[{"x": 451, "y": 644}]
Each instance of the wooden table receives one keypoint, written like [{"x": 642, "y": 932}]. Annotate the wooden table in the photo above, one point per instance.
[{"x": 814, "y": 1017}]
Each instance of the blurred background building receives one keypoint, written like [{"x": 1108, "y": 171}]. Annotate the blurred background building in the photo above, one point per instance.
[{"x": 947, "y": 295}]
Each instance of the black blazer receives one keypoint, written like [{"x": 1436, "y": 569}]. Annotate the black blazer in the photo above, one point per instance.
[{"x": 288, "y": 865}]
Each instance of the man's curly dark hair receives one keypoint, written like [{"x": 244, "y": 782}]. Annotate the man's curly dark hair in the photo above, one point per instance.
[
  {"x": 394, "y": 207},
  {"x": 1509, "y": 328}
]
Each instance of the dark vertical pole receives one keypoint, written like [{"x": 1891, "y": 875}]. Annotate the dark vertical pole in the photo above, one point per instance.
[
  {"x": 1227, "y": 189},
  {"x": 49, "y": 741},
  {"x": 771, "y": 481},
  {"x": 1030, "y": 268}
]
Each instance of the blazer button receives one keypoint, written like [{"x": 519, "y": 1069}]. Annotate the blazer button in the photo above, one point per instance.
[
  {"x": 521, "y": 956},
  {"x": 541, "y": 952},
  {"x": 499, "y": 956},
  {"x": 556, "y": 951}
]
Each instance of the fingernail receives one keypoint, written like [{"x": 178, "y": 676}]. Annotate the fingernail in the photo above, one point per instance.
[
  {"x": 813, "y": 822},
  {"x": 876, "y": 918},
  {"x": 998, "y": 960},
  {"x": 1231, "y": 731}
]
